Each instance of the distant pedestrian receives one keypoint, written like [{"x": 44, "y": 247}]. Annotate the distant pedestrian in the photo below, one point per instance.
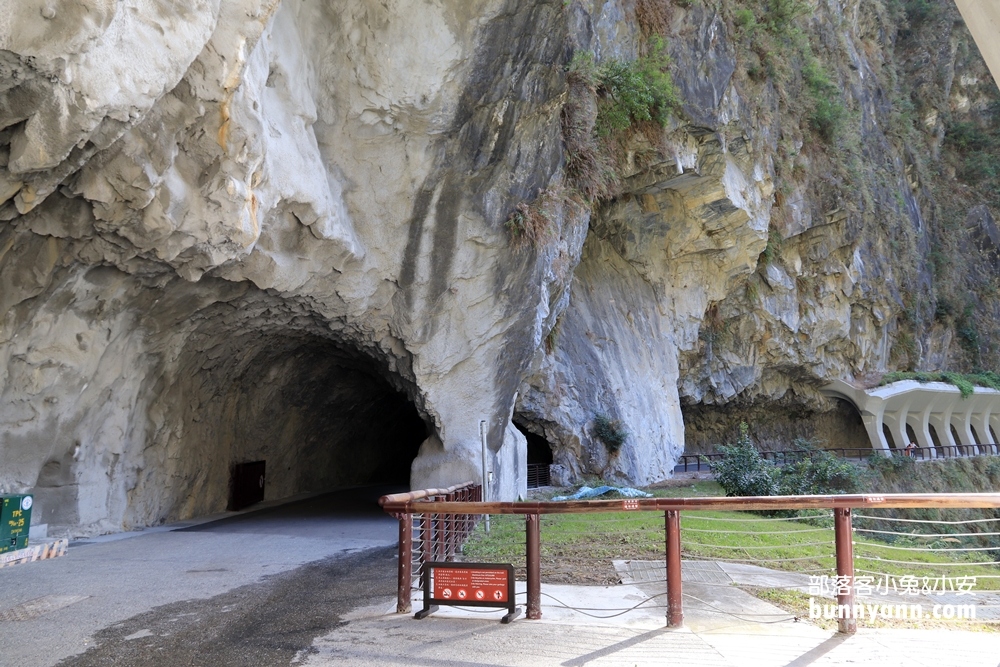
[{"x": 910, "y": 448}]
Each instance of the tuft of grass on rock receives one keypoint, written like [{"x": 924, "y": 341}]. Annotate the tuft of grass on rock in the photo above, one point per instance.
[{"x": 610, "y": 432}]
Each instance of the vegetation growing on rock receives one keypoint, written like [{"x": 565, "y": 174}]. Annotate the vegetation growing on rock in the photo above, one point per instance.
[
  {"x": 883, "y": 123},
  {"x": 610, "y": 431},
  {"x": 606, "y": 104},
  {"x": 966, "y": 382}
]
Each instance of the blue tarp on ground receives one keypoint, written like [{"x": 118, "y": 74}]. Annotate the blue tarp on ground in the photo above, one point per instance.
[{"x": 587, "y": 492}]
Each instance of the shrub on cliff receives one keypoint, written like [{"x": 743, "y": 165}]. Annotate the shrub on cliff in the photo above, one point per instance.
[
  {"x": 639, "y": 90},
  {"x": 610, "y": 432},
  {"x": 606, "y": 103}
]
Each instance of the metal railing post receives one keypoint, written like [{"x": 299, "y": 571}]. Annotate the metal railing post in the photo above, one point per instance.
[
  {"x": 437, "y": 535},
  {"x": 463, "y": 496},
  {"x": 533, "y": 565},
  {"x": 427, "y": 540},
  {"x": 449, "y": 531},
  {"x": 405, "y": 565},
  {"x": 675, "y": 608},
  {"x": 843, "y": 534}
]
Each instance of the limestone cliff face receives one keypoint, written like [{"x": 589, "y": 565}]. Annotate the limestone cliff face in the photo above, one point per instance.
[
  {"x": 271, "y": 230},
  {"x": 232, "y": 230},
  {"x": 881, "y": 251}
]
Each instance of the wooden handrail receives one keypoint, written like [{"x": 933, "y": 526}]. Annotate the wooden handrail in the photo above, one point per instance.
[
  {"x": 891, "y": 500},
  {"x": 395, "y": 499}
]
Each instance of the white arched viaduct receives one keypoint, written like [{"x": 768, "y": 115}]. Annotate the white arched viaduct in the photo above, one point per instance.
[{"x": 962, "y": 425}]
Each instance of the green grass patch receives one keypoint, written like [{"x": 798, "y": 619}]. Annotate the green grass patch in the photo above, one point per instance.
[
  {"x": 745, "y": 537},
  {"x": 580, "y": 548}
]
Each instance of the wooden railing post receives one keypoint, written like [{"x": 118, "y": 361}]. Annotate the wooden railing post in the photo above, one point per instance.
[
  {"x": 843, "y": 534},
  {"x": 405, "y": 567},
  {"x": 675, "y": 608},
  {"x": 533, "y": 565}
]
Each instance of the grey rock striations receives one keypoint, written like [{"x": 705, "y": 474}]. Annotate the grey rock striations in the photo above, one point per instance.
[{"x": 252, "y": 229}]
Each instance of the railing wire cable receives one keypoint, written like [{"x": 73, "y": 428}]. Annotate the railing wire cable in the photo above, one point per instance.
[
  {"x": 944, "y": 523},
  {"x": 764, "y": 546},
  {"x": 772, "y": 532},
  {"x": 887, "y": 546},
  {"x": 924, "y": 535},
  {"x": 756, "y": 519},
  {"x": 876, "y": 559}
]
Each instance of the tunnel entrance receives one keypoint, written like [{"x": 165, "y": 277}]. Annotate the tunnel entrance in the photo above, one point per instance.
[
  {"x": 325, "y": 417},
  {"x": 321, "y": 414},
  {"x": 539, "y": 458}
]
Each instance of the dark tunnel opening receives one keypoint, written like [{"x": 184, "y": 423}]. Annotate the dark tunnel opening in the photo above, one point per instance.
[
  {"x": 331, "y": 407},
  {"x": 888, "y": 436},
  {"x": 321, "y": 415},
  {"x": 539, "y": 457}
]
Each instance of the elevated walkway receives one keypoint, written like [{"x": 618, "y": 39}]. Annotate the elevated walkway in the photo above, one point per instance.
[{"x": 932, "y": 414}]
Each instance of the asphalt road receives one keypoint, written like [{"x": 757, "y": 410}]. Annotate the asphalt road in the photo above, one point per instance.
[
  {"x": 249, "y": 589},
  {"x": 273, "y": 622}
]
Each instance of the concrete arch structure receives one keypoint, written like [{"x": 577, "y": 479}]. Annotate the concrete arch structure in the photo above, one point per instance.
[
  {"x": 965, "y": 424},
  {"x": 982, "y": 17}
]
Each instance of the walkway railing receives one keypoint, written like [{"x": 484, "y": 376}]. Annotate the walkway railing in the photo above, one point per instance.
[
  {"x": 433, "y": 510},
  {"x": 697, "y": 462},
  {"x": 425, "y": 536}
]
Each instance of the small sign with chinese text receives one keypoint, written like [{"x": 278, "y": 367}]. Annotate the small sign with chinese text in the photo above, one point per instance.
[{"x": 469, "y": 585}]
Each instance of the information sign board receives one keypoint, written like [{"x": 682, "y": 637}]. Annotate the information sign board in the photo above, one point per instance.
[{"x": 469, "y": 585}]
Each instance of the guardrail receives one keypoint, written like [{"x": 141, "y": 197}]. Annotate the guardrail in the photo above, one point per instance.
[
  {"x": 697, "y": 462},
  {"x": 438, "y": 536},
  {"x": 431, "y": 508}
]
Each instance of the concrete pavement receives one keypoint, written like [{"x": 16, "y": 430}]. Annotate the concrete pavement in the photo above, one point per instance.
[
  {"x": 313, "y": 582},
  {"x": 373, "y": 637},
  {"x": 453, "y": 638}
]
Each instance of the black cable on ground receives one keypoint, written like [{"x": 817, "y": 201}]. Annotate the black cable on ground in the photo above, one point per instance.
[{"x": 794, "y": 619}]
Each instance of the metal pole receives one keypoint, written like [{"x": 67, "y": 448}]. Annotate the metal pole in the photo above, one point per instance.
[
  {"x": 486, "y": 479},
  {"x": 533, "y": 565},
  {"x": 449, "y": 532},
  {"x": 405, "y": 571},
  {"x": 427, "y": 540},
  {"x": 675, "y": 609},
  {"x": 843, "y": 534}
]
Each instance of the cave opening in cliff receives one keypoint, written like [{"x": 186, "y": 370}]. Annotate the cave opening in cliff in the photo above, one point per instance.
[{"x": 539, "y": 457}]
